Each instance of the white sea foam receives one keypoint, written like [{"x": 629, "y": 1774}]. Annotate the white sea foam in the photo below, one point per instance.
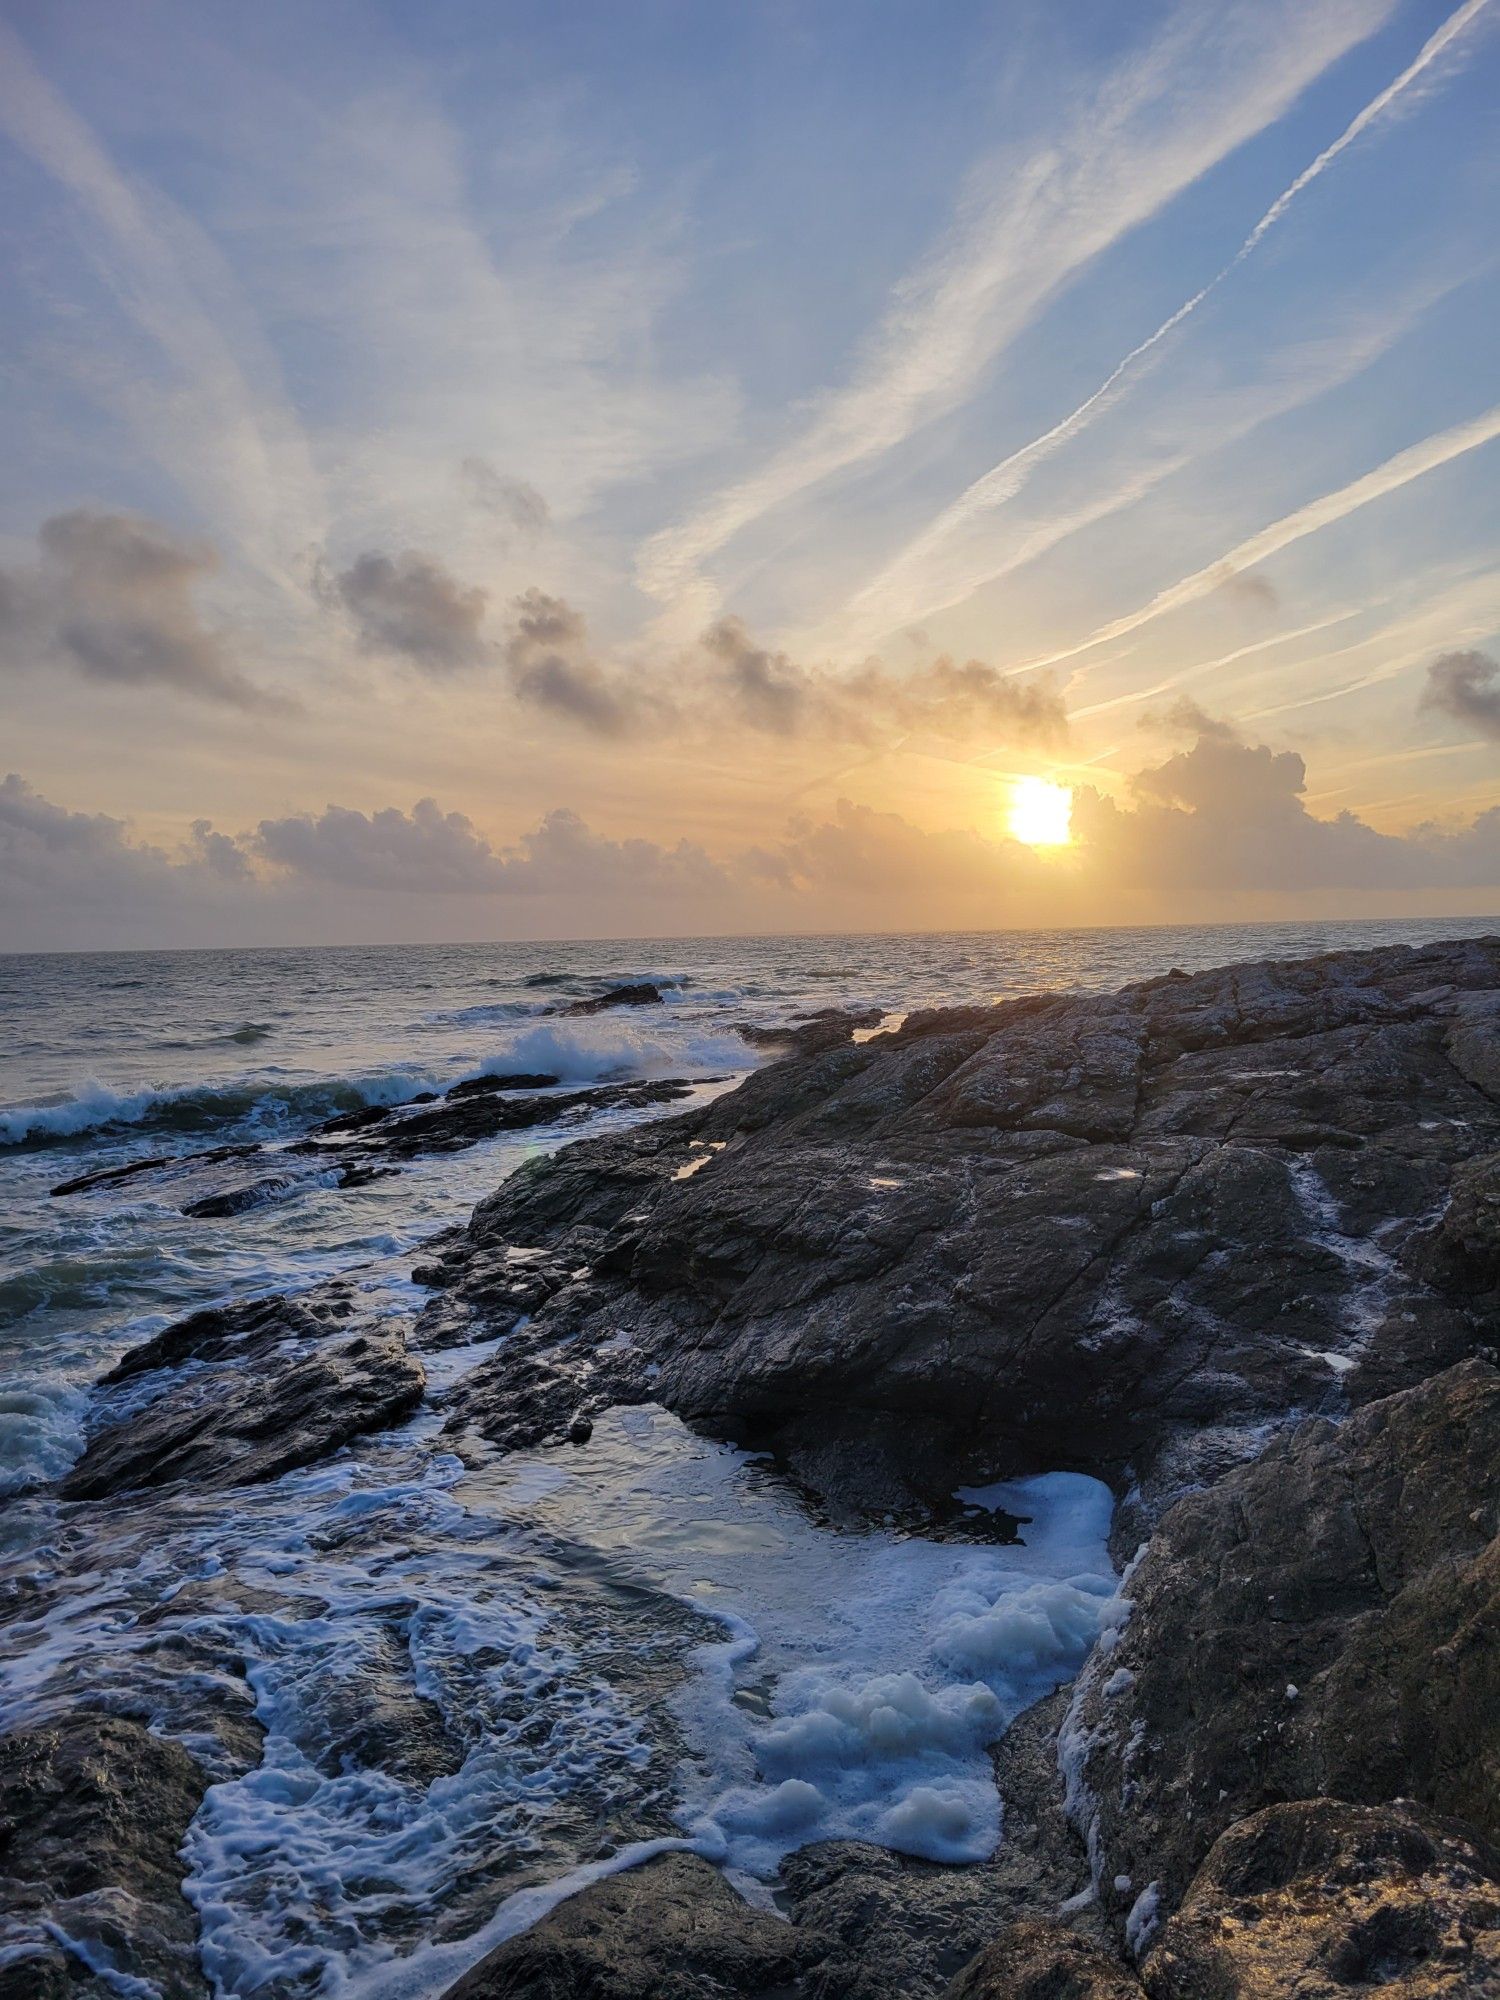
[{"x": 601, "y": 1047}]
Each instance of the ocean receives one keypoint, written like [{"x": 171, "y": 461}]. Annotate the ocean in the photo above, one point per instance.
[{"x": 646, "y": 1642}]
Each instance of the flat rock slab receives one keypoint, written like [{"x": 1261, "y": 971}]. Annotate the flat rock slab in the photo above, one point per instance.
[{"x": 248, "y": 1393}]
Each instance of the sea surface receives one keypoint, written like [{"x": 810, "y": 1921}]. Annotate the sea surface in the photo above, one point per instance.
[{"x": 644, "y": 1642}]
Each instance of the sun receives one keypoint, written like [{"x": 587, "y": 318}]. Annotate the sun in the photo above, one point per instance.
[{"x": 1041, "y": 813}]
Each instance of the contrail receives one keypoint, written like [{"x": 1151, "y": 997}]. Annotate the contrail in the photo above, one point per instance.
[
  {"x": 1003, "y": 481},
  {"x": 1418, "y": 459}
]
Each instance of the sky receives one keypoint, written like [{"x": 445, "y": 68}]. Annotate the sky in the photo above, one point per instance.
[{"x": 484, "y": 468}]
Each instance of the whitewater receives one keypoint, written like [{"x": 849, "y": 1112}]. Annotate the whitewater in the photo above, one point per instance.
[{"x": 482, "y": 1682}]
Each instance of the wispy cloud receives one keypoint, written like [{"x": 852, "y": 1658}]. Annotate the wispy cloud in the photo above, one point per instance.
[
  {"x": 1413, "y": 463},
  {"x": 218, "y": 420},
  {"x": 918, "y": 582},
  {"x": 1025, "y": 226}
]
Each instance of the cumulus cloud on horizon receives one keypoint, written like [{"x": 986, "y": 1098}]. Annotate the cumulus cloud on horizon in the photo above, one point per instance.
[{"x": 1221, "y": 817}]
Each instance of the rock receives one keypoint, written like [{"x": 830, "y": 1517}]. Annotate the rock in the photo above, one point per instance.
[
  {"x": 643, "y": 994},
  {"x": 828, "y": 1028},
  {"x": 1128, "y": 1234},
  {"x": 281, "y": 1383},
  {"x": 93, "y": 1810},
  {"x": 374, "y": 1140},
  {"x": 672, "y": 1929},
  {"x": 1046, "y": 1961},
  {"x": 1323, "y": 1898},
  {"x": 1322, "y": 1622},
  {"x": 487, "y": 1086}
]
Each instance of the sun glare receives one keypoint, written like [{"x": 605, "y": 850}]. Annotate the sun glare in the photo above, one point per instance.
[{"x": 1041, "y": 813}]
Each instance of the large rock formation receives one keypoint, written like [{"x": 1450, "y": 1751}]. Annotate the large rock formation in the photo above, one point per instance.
[
  {"x": 1324, "y": 1622},
  {"x": 1128, "y": 1234}
]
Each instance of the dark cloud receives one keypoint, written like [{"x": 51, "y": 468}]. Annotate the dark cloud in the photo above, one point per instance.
[
  {"x": 512, "y": 501},
  {"x": 112, "y": 599},
  {"x": 1467, "y": 687},
  {"x": 1184, "y": 717},
  {"x": 410, "y": 605},
  {"x": 1250, "y": 587},
  {"x": 552, "y": 667},
  {"x": 774, "y": 694}
]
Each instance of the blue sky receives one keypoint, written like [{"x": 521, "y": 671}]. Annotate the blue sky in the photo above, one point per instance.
[{"x": 336, "y": 330}]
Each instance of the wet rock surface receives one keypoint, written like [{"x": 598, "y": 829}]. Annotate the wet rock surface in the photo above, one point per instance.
[
  {"x": 1323, "y": 1622},
  {"x": 1045, "y": 1961},
  {"x": 1230, "y": 1242},
  {"x": 93, "y": 1810},
  {"x": 672, "y": 1929},
  {"x": 1128, "y": 1234},
  {"x": 1324, "y": 1899},
  {"x": 247, "y": 1393},
  {"x": 359, "y": 1146}
]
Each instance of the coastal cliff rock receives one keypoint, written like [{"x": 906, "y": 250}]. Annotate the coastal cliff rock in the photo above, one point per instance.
[
  {"x": 1127, "y": 1234},
  {"x": 1044, "y": 1961},
  {"x": 1324, "y": 1622}
]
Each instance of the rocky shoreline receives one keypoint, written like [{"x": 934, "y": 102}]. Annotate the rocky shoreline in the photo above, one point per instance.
[{"x": 1230, "y": 1242}]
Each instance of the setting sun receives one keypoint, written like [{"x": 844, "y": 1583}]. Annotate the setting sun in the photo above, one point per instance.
[{"x": 1041, "y": 813}]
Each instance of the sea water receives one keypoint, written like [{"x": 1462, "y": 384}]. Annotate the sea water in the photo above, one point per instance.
[{"x": 482, "y": 1684}]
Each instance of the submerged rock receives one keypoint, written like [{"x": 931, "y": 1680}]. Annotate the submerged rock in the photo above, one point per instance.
[
  {"x": 1324, "y": 1898},
  {"x": 1320, "y": 1623},
  {"x": 642, "y": 994},
  {"x": 274, "y": 1384},
  {"x": 93, "y": 1811}
]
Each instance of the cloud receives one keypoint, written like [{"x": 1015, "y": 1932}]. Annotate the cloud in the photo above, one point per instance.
[
  {"x": 1185, "y": 717},
  {"x": 552, "y": 667},
  {"x": 1004, "y": 481},
  {"x": 1028, "y": 221},
  {"x": 513, "y": 501},
  {"x": 1467, "y": 687},
  {"x": 112, "y": 599},
  {"x": 431, "y": 852},
  {"x": 775, "y": 695},
  {"x": 1415, "y": 462},
  {"x": 412, "y": 606}
]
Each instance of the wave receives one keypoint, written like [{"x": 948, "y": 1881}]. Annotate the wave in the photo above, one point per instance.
[
  {"x": 200, "y": 1107},
  {"x": 484, "y": 1012},
  {"x": 600, "y": 1047}
]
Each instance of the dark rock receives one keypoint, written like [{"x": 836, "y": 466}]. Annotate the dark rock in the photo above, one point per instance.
[
  {"x": 580, "y": 1430},
  {"x": 1045, "y": 1961},
  {"x": 1122, "y": 1233},
  {"x": 93, "y": 1810},
  {"x": 487, "y": 1086},
  {"x": 1323, "y": 1898},
  {"x": 1323, "y": 1622},
  {"x": 828, "y": 1028},
  {"x": 672, "y": 1929},
  {"x": 644, "y": 994},
  {"x": 280, "y": 1383},
  {"x": 894, "y": 1928},
  {"x": 111, "y": 1176}
]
